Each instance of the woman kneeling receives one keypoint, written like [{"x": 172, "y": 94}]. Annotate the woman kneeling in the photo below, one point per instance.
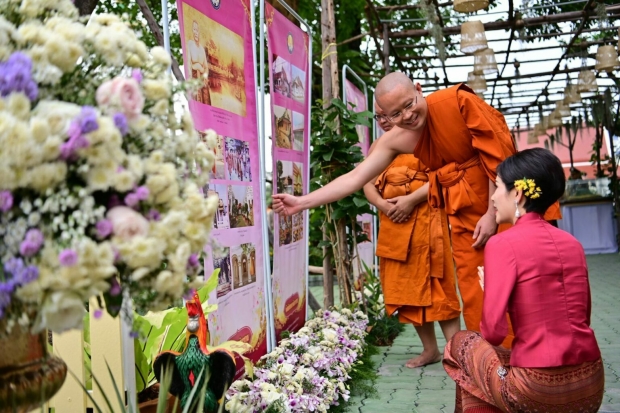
[{"x": 538, "y": 274}]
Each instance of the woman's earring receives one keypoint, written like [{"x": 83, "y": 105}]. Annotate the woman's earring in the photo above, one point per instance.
[{"x": 517, "y": 212}]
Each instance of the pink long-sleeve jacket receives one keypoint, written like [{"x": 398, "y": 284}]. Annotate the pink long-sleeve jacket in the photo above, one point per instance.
[{"x": 538, "y": 274}]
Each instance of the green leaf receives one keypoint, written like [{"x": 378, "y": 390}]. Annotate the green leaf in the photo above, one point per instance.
[
  {"x": 360, "y": 202},
  {"x": 210, "y": 285},
  {"x": 328, "y": 155}
]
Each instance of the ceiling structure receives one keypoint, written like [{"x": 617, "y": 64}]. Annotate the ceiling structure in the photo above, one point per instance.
[{"x": 532, "y": 70}]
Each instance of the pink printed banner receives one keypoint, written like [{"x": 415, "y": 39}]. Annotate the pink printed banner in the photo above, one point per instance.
[
  {"x": 356, "y": 99},
  {"x": 218, "y": 42},
  {"x": 290, "y": 100}
]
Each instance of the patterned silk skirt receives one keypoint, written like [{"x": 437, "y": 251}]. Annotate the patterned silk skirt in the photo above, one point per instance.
[{"x": 486, "y": 382}]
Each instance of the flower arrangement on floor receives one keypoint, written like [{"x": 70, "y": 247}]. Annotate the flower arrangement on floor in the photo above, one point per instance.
[
  {"x": 100, "y": 175},
  {"x": 307, "y": 371}
]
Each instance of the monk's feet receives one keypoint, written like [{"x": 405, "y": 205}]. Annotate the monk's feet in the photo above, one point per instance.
[{"x": 424, "y": 359}]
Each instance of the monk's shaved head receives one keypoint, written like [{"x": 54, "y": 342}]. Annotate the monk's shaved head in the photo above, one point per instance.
[{"x": 393, "y": 81}]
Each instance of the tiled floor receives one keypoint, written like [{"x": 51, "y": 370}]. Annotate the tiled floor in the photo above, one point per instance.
[{"x": 429, "y": 389}]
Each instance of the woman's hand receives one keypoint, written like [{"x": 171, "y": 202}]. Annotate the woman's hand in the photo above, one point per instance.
[
  {"x": 481, "y": 277},
  {"x": 285, "y": 204}
]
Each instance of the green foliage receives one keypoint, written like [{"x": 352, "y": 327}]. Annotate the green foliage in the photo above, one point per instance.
[
  {"x": 383, "y": 328},
  {"x": 334, "y": 140}
]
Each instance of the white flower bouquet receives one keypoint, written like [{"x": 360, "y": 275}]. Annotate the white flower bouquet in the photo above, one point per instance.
[
  {"x": 100, "y": 176},
  {"x": 307, "y": 371}
]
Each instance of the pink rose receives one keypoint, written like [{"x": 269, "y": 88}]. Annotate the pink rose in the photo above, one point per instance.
[
  {"x": 122, "y": 93},
  {"x": 127, "y": 223}
]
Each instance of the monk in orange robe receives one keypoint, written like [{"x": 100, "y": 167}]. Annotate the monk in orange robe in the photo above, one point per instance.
[
  {"x": 462, "y": 140},
  {"x": 417, "y": 274}
]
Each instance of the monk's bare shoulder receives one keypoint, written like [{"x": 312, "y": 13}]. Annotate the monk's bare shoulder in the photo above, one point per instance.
[{"x": 398, "y": 140}]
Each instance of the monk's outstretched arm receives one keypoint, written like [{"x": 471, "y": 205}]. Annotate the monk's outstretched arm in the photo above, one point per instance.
[
  {"x": 374, "y": 197},
  {"x": 391, "y": 144}
]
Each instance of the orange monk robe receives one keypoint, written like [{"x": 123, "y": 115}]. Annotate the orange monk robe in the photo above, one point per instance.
[
  {"x": 417, "y": 273},
  {"x": 463, "y": 142}
]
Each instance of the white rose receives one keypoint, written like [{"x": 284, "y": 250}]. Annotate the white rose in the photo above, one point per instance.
[
  {"x": 169, "y": 283},
  {"x": 161, "y": 56},
  {"x": 127, "y": 223},
  {"x": 329, "y": 334},
  {"x": 61, "y": 311}
]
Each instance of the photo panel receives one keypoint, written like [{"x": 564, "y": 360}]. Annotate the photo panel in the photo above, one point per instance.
[
  {"x": 299, "y": 126},
  {"x": 298, "y": 84},
  {"x": 282, "y": 127},
  {"x": 222, "y": 214},
  {"x": 298, "y": 183},
  {"x": 216, "y": 56},
  {"x": 298, "y": 227},
  {"x": 243, "y": 265},
  {"x": 241, "y": 206},
  {"x": 237, "y": 154},
  {"x": 285, "y": 226},
  {"x": 219, "y": 166},
  {"x": 285, "y": 177},
  {"x": 221, "y": 261},
  {"x": 281, "y": 75}
]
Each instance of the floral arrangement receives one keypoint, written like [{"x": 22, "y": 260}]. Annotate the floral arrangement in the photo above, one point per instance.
[
  {"x": 529, "y": 188},
  {"x": 307, "y": 371},
  {"x": 100, "y": 174}
]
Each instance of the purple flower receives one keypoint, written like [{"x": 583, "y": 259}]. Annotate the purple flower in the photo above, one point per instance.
[
  {"x": 104, "y": 228},
  {"x": 142, "y": 192},
  {"x": 88, "y": 119},
  {"x": 115, "y": 288},
  {"x": 27, "y": 276},
  {"x": 32, "y": 243},
  {"x": 153, "y": 215},
  {"x": 67, "y": 258},
  {"x": 74, "y": 130},
  {"x": 136, "y": 74},
  {"x": 134, "y": 334},
  {"x": 6, "y": 200},
  {"x": 14, "y": 265},
  {"x": 28, "y": 248},
  {"x": 192, "y": 261},
  {"x": 131, "y": 200},
  {"x": 98, "y": 313},
  {"x": 16, "y": 76},
  {"x": 120, "y": 120}
]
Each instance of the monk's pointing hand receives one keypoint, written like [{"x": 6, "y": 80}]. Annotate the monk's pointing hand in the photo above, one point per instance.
[
  {"x": 285, "y": 204},
  {"x": 485, "y": 229},
  {"x": 401, "y": 209}
]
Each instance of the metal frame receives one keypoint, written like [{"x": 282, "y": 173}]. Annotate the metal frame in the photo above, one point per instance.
[
  {"x": 272, "y": 333},
  {"x": 345, "y": 69},
  {"x": 271, "y": 337}
]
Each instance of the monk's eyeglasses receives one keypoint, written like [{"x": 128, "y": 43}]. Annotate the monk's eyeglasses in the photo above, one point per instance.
[
  {"x": 398, "y": 115},
  {"x": 379, "y": 118}
]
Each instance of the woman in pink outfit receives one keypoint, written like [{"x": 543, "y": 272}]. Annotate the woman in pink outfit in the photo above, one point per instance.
[{"x": 538, "y": 274}]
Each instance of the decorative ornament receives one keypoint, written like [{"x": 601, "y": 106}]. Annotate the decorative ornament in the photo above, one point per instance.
[
  {"x": 477, "y": 82},
  {"x": 561, "y": 108},
  {"x": 571, "y": 95},
  {"x": 473, "y": 37},
  {"x": 517, "y": 212},
  {"x": 586, "y": 81},
  {"x": 606, "y": 58},
  {"x": 468, "y": 6},
  {"x": 529, "y": 188},
  {"x": 484, "y": 62}
]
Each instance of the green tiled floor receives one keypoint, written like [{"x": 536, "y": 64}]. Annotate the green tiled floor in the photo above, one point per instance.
[{"x": 429, "y": 389}]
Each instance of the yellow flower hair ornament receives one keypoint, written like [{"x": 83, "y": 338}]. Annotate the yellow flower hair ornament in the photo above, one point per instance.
[{"x": 529, "y": 188}]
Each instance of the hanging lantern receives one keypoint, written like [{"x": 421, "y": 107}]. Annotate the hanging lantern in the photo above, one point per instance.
[
  {"x": 468, "y": 6},
  {"x": 571, "y": 95},
  {"x": 477, "y": 82},
  {"x": 606, "y": 58},
  {"x": 484, "y": 62},
  {"x": 587, "y": 82},
  {"x": 555, "y": 119},
  {"x": 532, "y": 138},
  {"x": 473, "y": 37},
  {"x": 561, "y": 109}
]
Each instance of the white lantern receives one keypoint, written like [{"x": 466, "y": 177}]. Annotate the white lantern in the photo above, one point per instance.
[
  {"x": 477, "y": 82},
  {"x": 484, "y": 62},
  {"x": 606, "y": 58},
  {"x": 473, "y": 37}
]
